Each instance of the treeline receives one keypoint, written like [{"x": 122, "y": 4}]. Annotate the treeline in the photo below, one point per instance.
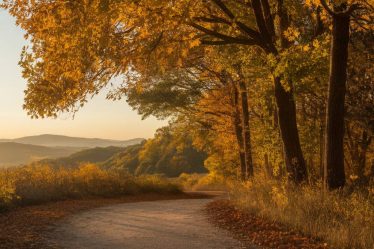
[
  {"x": 277, "y": 87},
  {"x": 170, "y": 153}
]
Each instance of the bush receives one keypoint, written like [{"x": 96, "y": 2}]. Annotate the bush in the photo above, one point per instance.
[
  {"x": 342, "y": 220},
  {"x": 201, "y": 182},
  {"x": 41, "y": 183}
]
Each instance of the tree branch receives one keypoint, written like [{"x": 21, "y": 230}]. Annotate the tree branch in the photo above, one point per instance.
[
  {"x": 219, "y": 43},
  {"x": 353, "y": 8},
  {"x": 327, "y": 8},
  {"x": 224, "y": 8},
  {"x": 268, "y": 17},
  {"x": 213, "y": 19},
  {"x": 347, "y": 12},
  {"x": 225, "y": 38},
  {"x": 261, "y": 24},
  {"x": 243, "y": 27}
]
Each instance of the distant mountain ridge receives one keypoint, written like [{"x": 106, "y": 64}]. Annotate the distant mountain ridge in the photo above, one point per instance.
[
  {"x": 12, "y": 154},
  {"x": 67, "y": 141}
]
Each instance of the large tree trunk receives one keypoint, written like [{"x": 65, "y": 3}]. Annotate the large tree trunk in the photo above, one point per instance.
[
  {"x": 246, "y": 128},
  {"x": 238, "y": 129},
  {"x": 334, "y": 150},
  {"x": 294, "y": 159}
]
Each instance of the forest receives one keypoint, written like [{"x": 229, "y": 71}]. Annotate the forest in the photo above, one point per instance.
[{"x": 275, "y": 96}]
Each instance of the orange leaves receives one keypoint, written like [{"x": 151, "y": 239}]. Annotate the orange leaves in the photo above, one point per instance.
[
  {"x": 252, "y": 229},
  {"x": 194, "y": 43}
]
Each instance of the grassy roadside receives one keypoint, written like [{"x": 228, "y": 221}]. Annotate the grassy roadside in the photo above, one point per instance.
[
  {"x": 23, "y": 227},
  {"x": 256, "y": 230},
  {"x": 278, "y": 215},
  {"x": 40, "y": 184},
  {"x": 33, "y": 198}
]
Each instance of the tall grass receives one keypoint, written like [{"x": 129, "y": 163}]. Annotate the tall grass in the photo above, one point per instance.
[
  {"x": 202, "y": 182},
  {"x": 342, "y": 220},
  {"x": 37, "y": 184}
]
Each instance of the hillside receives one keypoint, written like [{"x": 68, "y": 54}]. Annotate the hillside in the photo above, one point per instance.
[
  {"x": 66, "y": 141},
  {"x": 16, "y": 153},
  {"x": 151, "y": 157},
  {"x": 94, "y": 155},
  {"x": 127, "y": 159},
  {"x": 165, "y": 154}
]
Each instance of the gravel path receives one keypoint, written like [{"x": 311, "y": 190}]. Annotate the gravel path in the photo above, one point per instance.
[{"x": 175, "y": 224}]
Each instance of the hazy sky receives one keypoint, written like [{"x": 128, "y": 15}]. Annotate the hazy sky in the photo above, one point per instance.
[{"x": 99, "y": 118}]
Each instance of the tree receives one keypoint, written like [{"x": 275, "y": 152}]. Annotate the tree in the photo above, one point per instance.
[
  {"x": 334, "y": 145},
  {"x": 264, "y": 36},
  {"x": 359, "y": 119}
]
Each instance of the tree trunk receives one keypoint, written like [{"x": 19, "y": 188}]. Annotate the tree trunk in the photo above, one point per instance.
[
  {"x": 246, "y": 128},
  {"x": 334, "y": 150},
  {"x": 238, "y": 129},
  {"x": 321, "y": 150},
  {"x": 294, "y": 159},
  {"x": 268, "y": 168}
]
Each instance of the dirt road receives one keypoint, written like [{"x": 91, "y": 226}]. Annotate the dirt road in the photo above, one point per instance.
[{"x": 174, "y": 224}]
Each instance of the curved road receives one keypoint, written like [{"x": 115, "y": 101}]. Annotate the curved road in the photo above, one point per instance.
[{"x": 175, "y": 224}]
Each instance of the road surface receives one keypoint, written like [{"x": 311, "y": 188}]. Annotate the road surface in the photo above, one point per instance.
[{"x": 173, "y": 224}]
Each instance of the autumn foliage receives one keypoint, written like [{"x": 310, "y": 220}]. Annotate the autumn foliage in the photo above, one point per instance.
[{"x": 268, "y": 89}]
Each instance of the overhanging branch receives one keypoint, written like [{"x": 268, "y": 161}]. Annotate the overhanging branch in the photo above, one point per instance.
[{"x": 224, "y": 39}]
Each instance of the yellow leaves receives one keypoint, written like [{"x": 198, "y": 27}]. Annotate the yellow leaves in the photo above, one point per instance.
[
  {"x": 194, "y": 43},
  {"x": 7, "y": 189},
  {"x": 139, "y": 88},
  {"x": 292, "y": 34},
  {"x": 279, "y": 197},
  {"x": 309, "y": 3},
  {"x": 169, "y": 50},
  {"x": 180, "y": 62},
  {"x": 353, "y": 177},
  {"x": 306, "y": 48},
  {"x": 316, "y": 44},
  {"x": 184, "y": 53}
]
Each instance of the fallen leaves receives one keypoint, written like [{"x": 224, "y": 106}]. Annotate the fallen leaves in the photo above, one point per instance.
[{"x": 255, "y": 230}]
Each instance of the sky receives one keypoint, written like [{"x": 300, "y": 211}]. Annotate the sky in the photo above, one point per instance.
[{"x": 100, "y": 118}]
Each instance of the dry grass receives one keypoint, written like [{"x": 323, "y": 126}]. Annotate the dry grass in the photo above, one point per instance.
[
  {"x": 254, "y": 230},
  {"x": 38, "y": 184},
  {"x": 342, "y": 220},
  {"x": 202, "y": 182}
]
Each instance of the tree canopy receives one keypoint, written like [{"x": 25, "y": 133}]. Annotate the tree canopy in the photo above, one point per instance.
[{"x": 248, "y": 79}]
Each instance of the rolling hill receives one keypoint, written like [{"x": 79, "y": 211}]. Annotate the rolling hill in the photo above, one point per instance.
[
  {"x": 16, "y": 153},
  {"x": 66, "y": 141},
  {"x": 93, "y": 155},
  {"x": 35, "y": 148}
]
